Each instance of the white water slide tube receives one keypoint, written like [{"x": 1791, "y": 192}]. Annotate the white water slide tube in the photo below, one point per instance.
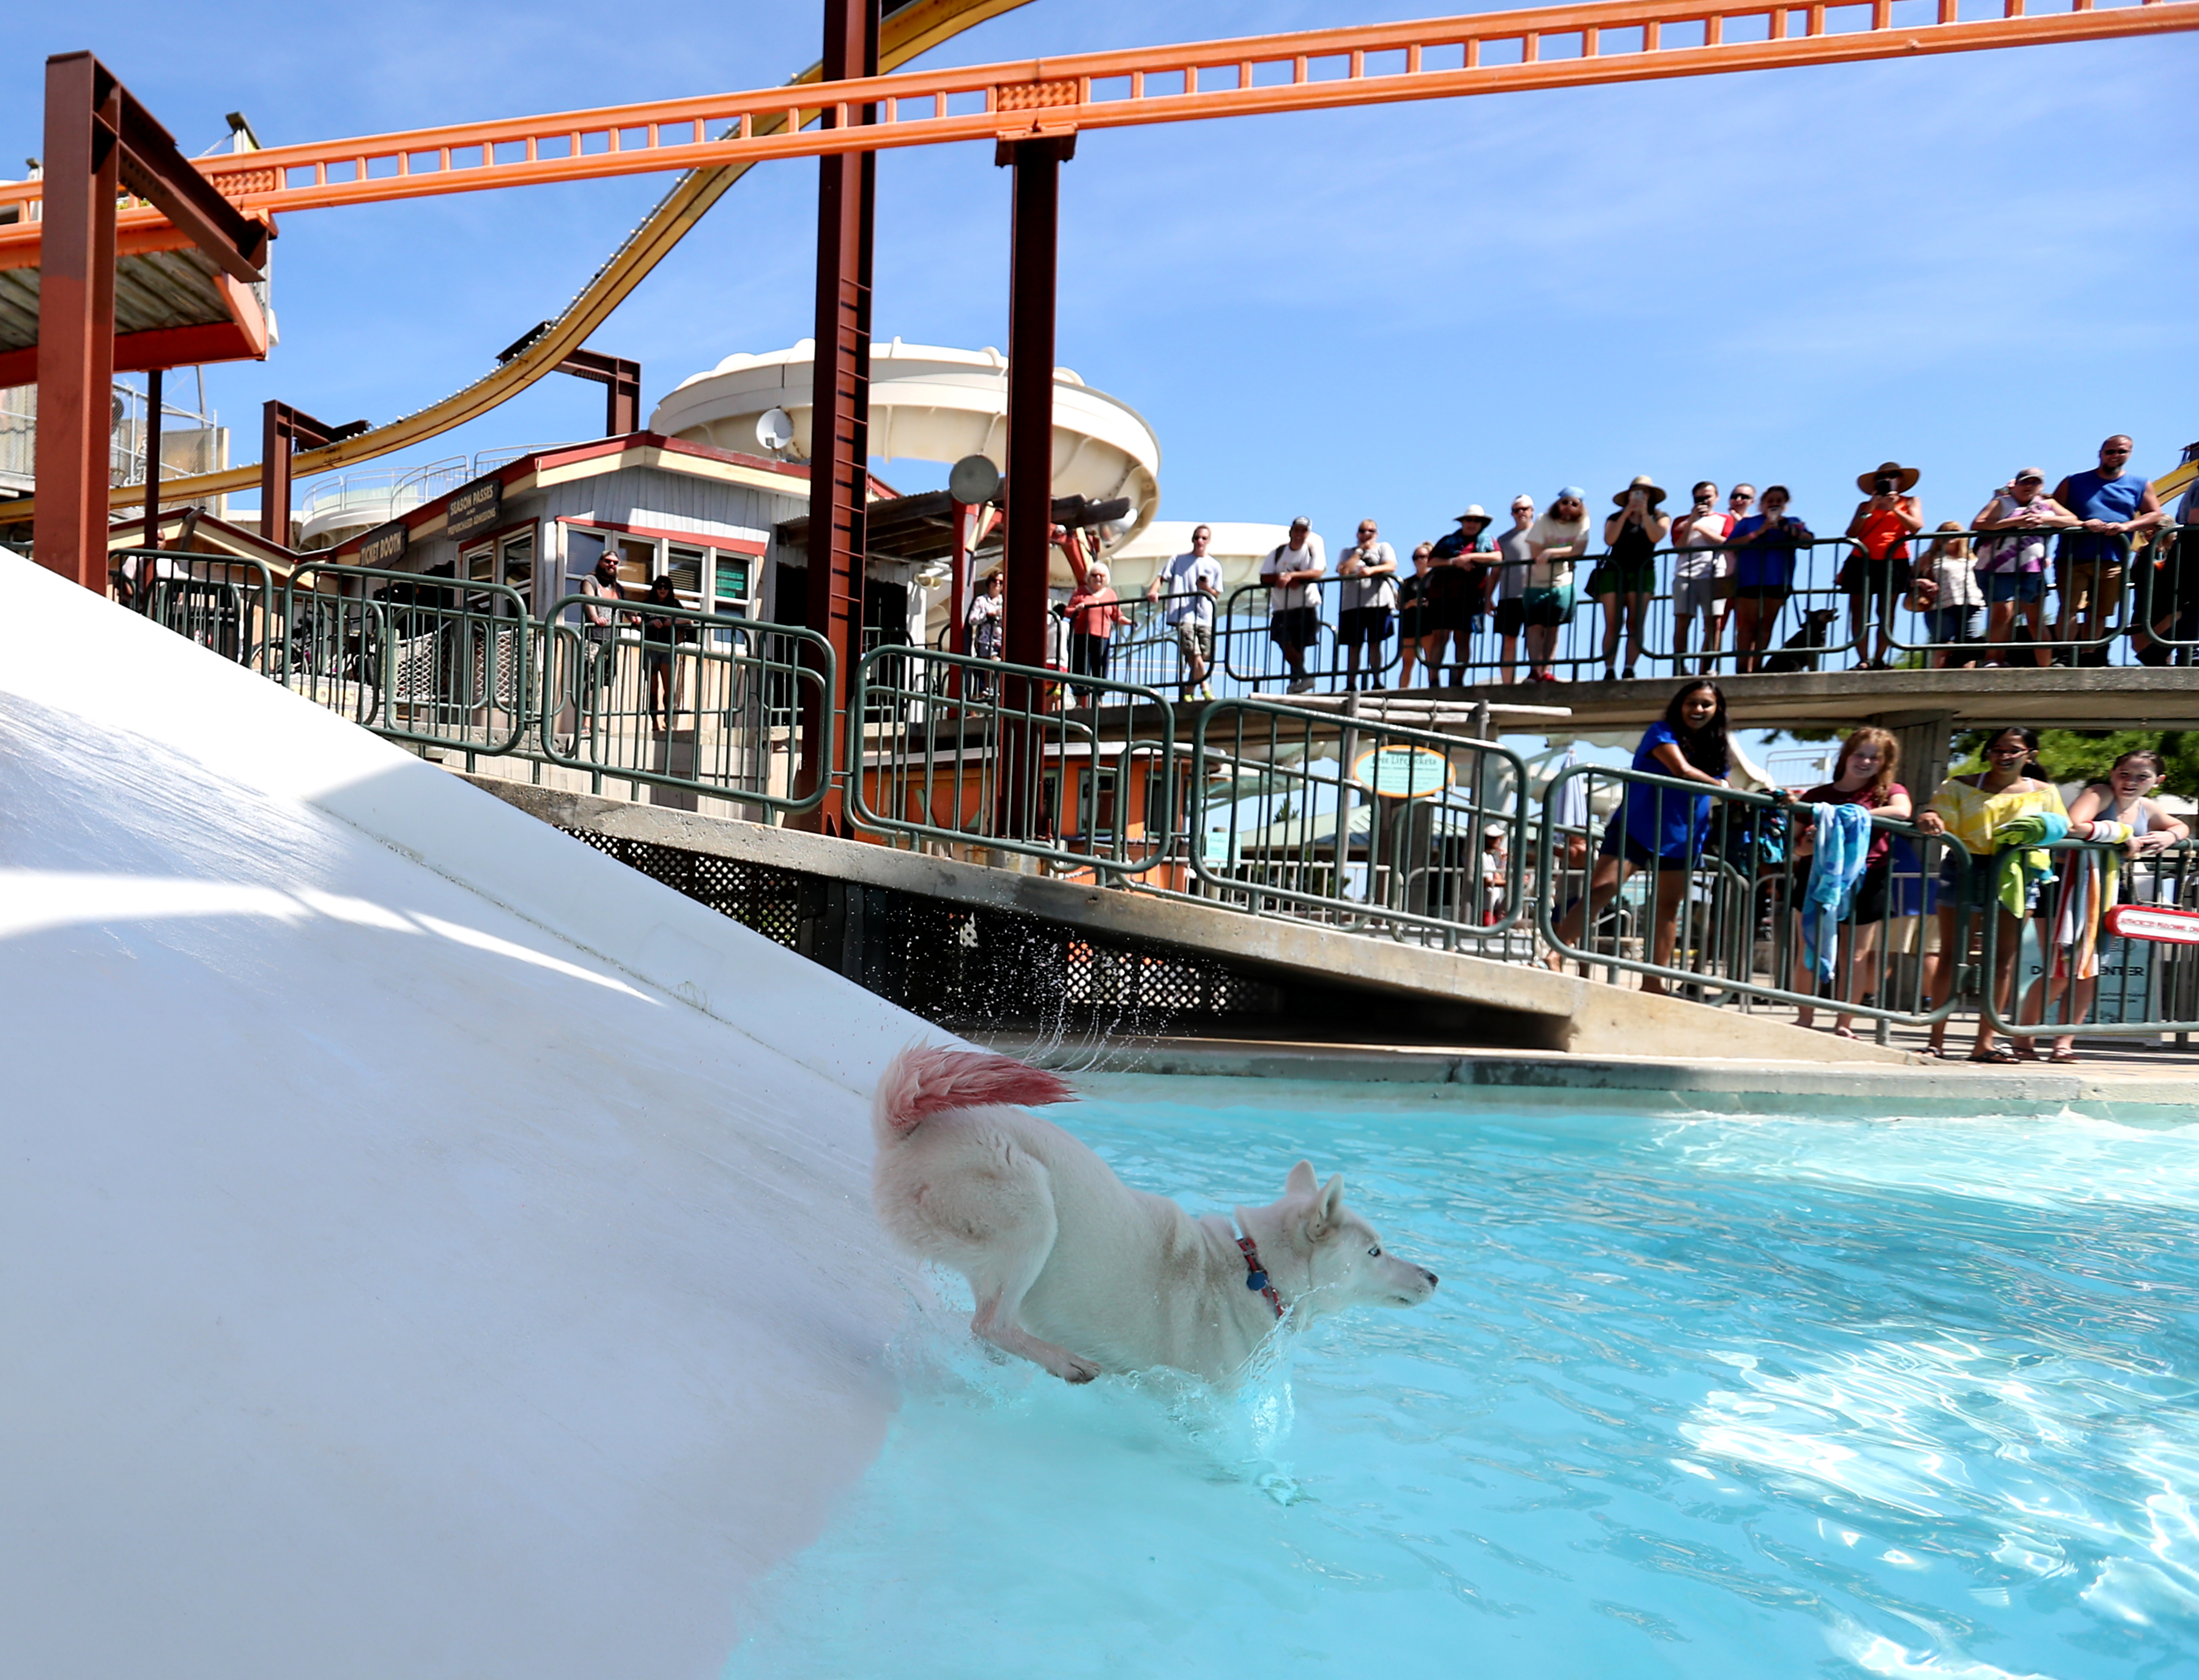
[{"x": 430, "y": 1248}]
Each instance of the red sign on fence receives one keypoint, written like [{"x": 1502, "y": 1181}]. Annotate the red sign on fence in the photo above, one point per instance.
[{"x": 2154, "y": 922}]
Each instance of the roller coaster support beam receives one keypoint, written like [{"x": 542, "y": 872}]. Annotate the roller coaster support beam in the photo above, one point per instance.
[
  {"x": 283, "y": 430},
  {"x": 840, "y": 416},
  {"x": 622, "y": 398},
  {"x": 1035, "y": 247},
  {"x": 1027, "y": 551},
  {"x": 76, "y": 317},
  {"x": 99, "y": 141}
]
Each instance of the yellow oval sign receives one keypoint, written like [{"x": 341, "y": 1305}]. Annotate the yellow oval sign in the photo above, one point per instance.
[{"x": 1402, "y": 773}]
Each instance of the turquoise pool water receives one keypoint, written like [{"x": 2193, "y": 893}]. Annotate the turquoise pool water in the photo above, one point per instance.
[{"x": 1699, "y": 1397}]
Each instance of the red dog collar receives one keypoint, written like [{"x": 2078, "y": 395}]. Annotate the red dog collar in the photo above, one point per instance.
[{"x": 1256, "y": 1277}]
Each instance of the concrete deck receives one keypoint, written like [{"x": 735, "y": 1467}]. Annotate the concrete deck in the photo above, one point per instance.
[
  {"x": 2131, "y": 1085},
  {"x": 1457, "y": 998},
  {"x": 2057, "y": 696}
]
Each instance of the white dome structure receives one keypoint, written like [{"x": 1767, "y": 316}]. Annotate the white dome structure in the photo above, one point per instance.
[{"x": 928, "y": 403}]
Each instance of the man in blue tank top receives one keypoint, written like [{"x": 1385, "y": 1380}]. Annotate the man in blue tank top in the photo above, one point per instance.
[{"x": 2088, "y": 569}]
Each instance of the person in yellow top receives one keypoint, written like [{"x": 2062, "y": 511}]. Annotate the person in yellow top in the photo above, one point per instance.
[{"x": 1978, "y": 810}]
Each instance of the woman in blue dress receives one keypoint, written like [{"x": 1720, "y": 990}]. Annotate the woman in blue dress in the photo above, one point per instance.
[{"x": 1660, "y": 829}]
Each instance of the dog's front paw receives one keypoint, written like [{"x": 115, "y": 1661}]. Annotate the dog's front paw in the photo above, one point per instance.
[{"x": 1075, "y": 1370}]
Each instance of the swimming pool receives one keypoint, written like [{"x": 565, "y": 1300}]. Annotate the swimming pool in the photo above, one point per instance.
[{"x": 1700, "y": 1396}]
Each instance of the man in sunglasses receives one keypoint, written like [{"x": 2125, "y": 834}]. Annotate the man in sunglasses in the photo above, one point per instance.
[{"x": 2112, "y": 505}]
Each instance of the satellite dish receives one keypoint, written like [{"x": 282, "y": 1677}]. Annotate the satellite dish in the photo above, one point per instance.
[
  {"x": 774, "y": 429},
  {"x": 973, "y": 479}
]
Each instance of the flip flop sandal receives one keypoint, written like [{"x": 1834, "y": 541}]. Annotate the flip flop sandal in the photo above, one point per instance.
[
  {"x": 1997, "y": 1056},
  {"x": 2064, "y": 1057}
]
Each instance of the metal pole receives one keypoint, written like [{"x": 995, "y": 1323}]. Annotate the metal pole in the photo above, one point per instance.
[
  {"x": 275, "y": 434},
  {"x": 839, "y": 447},
  {"x": 1027, "y": 551},
  {"x": 958, "y": 600},
  {"x": 76, "y": 320},
  {"x": 1035, "y": 247},
  {"x": 153, "y": 405}
]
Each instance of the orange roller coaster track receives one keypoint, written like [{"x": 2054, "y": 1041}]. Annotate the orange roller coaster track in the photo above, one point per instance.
[{"x": 1442, "y": 58}]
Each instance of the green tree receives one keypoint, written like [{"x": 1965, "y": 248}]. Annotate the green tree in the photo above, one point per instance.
[{"x": 2087, "y": 755}]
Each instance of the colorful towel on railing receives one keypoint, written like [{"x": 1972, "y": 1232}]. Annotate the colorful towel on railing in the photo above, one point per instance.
[
  {"x": 2091, "y": 883},
  {"x": 2027, "y": 835},
  {"x": 1840, "y": 843}
]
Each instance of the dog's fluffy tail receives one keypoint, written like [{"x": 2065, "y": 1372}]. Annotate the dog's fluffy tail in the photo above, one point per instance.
[{"x": 924, "y": 1079}]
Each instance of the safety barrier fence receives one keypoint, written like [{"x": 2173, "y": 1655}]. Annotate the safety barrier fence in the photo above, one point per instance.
[
  {"x": 671, "y": 698},
  {"x": 1707, "y": 891},
  {"x": 977, "y": 757},
  {"x": 1820, "y": 604},
  {"x": 1272, "y": 808},
  {"x": 1357, "y": 823},
  {"x": 2079, "y": 958},
  {"x": 429, "y": 661},
  {"x": 230, "y": 604}
]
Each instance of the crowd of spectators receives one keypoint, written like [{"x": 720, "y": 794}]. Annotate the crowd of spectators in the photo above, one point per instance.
[
  {"x": 1825, "y": 871},
  {"x": 2034, "y": 576}
]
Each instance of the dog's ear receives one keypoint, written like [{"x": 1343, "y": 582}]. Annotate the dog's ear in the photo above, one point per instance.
[
  {"x": 1301, "y": 1182},
  {"x": 1327, "y": 1210}
]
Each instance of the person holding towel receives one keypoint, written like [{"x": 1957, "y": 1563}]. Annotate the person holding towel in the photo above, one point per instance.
[
  {"x": 2007, "y": 803},
  {"x": 1863, "y": 778}
]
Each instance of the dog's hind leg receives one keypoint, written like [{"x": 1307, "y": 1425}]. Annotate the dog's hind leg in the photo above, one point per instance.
[{"x": 1020, "y": 1236}]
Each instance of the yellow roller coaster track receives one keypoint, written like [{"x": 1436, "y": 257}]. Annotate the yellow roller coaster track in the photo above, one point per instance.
[{"x": 904, "y": 33}]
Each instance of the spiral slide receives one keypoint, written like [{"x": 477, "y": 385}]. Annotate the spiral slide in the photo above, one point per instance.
[{"x": 908, "y": 29}]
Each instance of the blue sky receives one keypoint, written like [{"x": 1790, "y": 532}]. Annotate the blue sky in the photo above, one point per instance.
[{"x": 1970, "y": 262}]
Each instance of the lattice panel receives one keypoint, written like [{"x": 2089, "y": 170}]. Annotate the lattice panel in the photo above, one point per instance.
[
  {"x": 957, "y": 966},
  {"x": 768, "y": 900}
]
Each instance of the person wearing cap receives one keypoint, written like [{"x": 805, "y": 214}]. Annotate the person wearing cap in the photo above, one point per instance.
[
  {"x": 1877, "y": 568},
  {"x": 1367, "y": 601},
  {"x": 1508, "y": 585},
  {"x": 2011, "y": 563},
  {"x": 1457, "y": 591},
  {"x": 1702, "y": 581},
  {"x": 1626, "y": 577},
  {"x": 1292, "y": 572},
  {"x": 1555, "y": 541},
  {"x": 2111, "y": 505}
]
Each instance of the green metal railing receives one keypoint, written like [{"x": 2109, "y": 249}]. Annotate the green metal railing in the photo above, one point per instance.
[
  {"x": 228, "y": 604},
  {"x": 977, "y": 755},
  {"x": 432, "y": 660},
  {"x": 1720, "y": 877},
  {"x": 1357, "y": 823},
  {"x": 2071, "y": 976},
  {"x": 672, "y": 697}
]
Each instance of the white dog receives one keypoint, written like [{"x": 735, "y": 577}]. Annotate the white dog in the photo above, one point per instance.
[{"x": 1075, "y": 1271}]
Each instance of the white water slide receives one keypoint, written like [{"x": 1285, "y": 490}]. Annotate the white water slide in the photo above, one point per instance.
[{"x": 430, "y": 1249}]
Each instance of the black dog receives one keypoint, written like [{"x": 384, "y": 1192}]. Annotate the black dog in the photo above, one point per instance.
[{"x": 1799, "y": 651}]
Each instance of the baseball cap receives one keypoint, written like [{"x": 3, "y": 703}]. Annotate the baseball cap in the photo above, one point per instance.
[{"x": 1302, "y": 523}]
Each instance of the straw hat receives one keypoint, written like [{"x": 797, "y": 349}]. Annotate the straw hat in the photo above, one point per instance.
[
  {"x": 1474, "y": 510},
  {"x": 1642, "y": 482},
  {"x": 1905, "y": 477}
]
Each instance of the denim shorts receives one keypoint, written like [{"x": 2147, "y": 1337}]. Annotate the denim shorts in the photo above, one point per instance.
[
  {"x": 2029, "y": 588},
  {"x": 1953, "y": 626}
]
